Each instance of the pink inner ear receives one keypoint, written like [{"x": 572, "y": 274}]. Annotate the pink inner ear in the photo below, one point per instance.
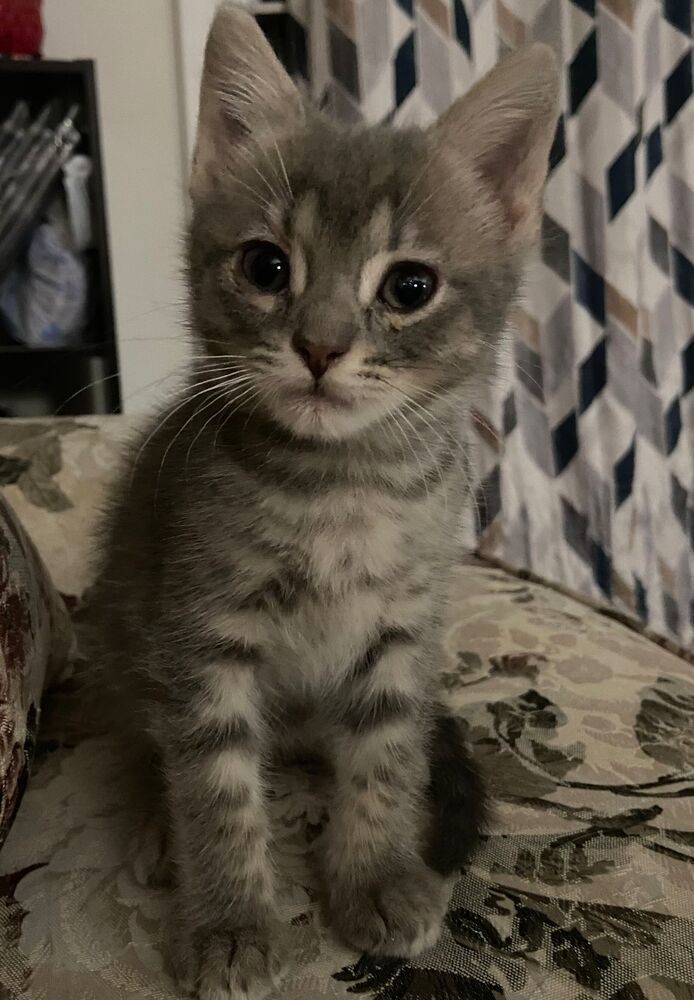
[
  {"x": 504, "y": 127},
  {"x": 516, "y": 170}
]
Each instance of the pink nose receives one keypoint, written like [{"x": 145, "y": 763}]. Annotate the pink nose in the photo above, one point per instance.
[{"x": 318, "y": 357}]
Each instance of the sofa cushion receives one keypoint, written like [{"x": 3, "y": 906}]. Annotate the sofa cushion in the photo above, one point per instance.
[
  {"x": 34, "y": 639},
  {"x": 583, "y": 888},
  {"x": 55, "y": 473}
]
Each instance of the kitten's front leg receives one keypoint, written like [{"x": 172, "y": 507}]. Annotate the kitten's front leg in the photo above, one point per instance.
[
  {"x": 383, "y": 898},
  {"x": 225, "y": 944}
]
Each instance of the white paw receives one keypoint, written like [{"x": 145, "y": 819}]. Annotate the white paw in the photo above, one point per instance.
[{"x": 245, "y": 965}]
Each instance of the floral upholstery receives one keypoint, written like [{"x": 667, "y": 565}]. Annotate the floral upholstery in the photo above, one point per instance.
[
  {"x": 583, "y": 888},
  {"x": 55, "y": 474},
  {"x": 34, "y": 637}
]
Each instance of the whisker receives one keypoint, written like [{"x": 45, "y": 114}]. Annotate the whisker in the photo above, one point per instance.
[
  {"x": 249, "y": 160},
  {"x": 230, "y": 415},
  {"x": 254, "y": 96},
  {"x": 284, "y": 169},
  {"x": 400, "y": 210},
  {"x": 200, "y": 408},
  {"x": 252, "y": 411},
  {"x": 414, "y": 212},
  {"x": 451, "y": 441},
  {"x": 220, "y": 366},
  {"x": 225, "y": 395},
  {"x": 420, "y": 410},
  {"x": 211, "y": 384},
  {"x": 394, "y": 416},
  {"x": 222, "y": 397},
  {"x": 216, "y": 399},
  {"x": 412, "y": 188},
  {"x": 434, "y": 458},
  {"x": 177, "y": 372},
  {"x": 260, "y": 200},
  {"x": 89, "y": 385},
  {"x": 423, "y": 412},
  {"x": 246, "y": 155},
  {"x": 526, "y": 374},
  {"x": 216, "y": 357},
  {"x": 386, "y": 426}
]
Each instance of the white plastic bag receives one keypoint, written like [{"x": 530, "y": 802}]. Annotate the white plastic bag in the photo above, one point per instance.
[{"x": 45, "y": 300}]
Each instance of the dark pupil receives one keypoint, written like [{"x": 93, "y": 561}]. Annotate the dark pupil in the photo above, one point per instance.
[
  {"x": 267, "y": 267},
  {"x": 411, "y": 289}
]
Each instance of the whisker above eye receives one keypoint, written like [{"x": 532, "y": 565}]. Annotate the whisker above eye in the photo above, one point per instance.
[{"x": 246, "y": 155}]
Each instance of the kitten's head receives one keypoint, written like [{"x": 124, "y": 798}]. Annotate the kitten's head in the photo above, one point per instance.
[{"x": 341, "y": 276}]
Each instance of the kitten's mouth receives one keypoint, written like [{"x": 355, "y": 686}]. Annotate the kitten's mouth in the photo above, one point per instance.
[
  {"x": 320, "y": 399},
  {"x": 327, "y": 410},
  {"x": 320, "y": 392}
]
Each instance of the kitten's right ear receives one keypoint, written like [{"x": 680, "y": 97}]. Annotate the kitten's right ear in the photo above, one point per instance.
[{"x": 246, "y": 97}]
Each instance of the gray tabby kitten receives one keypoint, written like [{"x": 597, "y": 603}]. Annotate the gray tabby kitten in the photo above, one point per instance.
[{"x": 277, "y": 554}]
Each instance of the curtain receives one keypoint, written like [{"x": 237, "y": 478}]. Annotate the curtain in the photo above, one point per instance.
[{"x": 586, "y": 453}]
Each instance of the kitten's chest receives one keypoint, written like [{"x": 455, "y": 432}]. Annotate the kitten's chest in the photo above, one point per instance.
[
  {"x": 347, "y": 551},
  {"x": 359, "y": 569},
  {"x": 342, "y": 539}
]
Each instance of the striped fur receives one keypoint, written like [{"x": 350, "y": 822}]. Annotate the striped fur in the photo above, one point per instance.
[{"x": 275, "y": 554}]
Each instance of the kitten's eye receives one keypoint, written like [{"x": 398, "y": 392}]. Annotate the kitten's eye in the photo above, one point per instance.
[
  {"x": 408, "y": 286},
  {"x": 265, "y": 266}
]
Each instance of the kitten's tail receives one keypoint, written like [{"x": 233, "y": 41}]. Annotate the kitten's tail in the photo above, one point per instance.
[{"x": 457, "y": 798}]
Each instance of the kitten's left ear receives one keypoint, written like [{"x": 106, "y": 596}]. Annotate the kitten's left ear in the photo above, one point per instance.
[
  {"x": 247, "y": 99},
  {"x": 504, "y": 128}
]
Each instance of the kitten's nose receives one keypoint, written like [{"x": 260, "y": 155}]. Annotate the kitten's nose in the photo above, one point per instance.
[{"x": 317, "y": 357}]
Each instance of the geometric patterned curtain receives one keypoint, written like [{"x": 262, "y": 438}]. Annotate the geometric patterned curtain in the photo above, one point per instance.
[{"x": 587, "y": 453}]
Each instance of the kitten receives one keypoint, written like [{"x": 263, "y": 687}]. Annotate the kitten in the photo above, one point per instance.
[{"x": 277, "y": 554}]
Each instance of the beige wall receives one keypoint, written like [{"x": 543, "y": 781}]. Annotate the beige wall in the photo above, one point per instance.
[
  {"x": 134, "y": 45},
  {"x": 193, "y": 20}
]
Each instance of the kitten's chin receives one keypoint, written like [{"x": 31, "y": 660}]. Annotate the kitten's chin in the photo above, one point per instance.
[{"x": 321, "y": 417}]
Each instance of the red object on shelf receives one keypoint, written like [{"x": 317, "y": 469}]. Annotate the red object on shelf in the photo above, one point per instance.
[{"x": 21, "y": 27}]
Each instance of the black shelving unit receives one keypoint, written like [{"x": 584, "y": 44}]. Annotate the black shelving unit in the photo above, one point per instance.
[
  {"x": 288, "y": 39},
  {"x": 84, "y": 378}
]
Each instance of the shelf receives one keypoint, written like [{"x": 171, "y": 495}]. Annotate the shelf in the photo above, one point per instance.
[
  {"x": 93, "y": 343},
  {"x": 29, "y": 375},
  {"x": 14, "y": 64},
  {"x": 105, "y": 347}
]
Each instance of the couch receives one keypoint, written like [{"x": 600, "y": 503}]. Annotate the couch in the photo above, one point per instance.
[{"x": 582, "y": 722}]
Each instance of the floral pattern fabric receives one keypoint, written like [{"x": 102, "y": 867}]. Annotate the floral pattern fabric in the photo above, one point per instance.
[
  {"x": 55, "y": 473},
  {"x": 34, "y": 637},
  {"x": 583, "y": 887}
]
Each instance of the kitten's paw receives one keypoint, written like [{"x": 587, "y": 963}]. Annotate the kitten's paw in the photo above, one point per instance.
[
  {"x": 244, "y": 965},
  {"x": 401, "y": 917}
]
